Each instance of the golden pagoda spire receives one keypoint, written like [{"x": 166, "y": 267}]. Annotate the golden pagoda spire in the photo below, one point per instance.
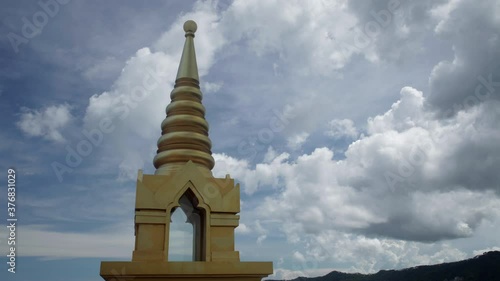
[
  {"x": 183, "y": 179},
  {"x": 185, "y": 130}
]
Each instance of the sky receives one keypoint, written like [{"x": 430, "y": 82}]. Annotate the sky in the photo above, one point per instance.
[{"x": 364, "y": 134}]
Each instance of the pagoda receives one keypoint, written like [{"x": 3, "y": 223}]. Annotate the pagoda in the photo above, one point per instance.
[{"x": 183, "y": 179}]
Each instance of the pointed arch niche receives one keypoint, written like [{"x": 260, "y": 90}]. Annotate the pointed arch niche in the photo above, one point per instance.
[{"x": 187, "y": 211}]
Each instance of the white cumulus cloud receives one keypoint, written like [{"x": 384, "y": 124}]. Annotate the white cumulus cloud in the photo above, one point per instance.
[
  {"x": 340, "y": 128},
  {"x": 47, "y": 123}
]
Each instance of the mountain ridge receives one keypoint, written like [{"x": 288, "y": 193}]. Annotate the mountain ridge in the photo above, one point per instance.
[{"x": 484, "y": 267}]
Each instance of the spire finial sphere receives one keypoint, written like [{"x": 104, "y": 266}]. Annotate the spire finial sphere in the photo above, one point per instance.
[{"x": 190, "y": 26}]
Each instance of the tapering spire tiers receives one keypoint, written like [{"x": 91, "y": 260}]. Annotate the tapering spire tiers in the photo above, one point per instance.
[{"x": 185, "y": 130}]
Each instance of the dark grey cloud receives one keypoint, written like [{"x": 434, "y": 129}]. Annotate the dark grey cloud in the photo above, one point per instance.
[
  {"x": 396, "y": 28},
  {"x": 472, "y": 76},
  {"x": 471, "y": 31}
]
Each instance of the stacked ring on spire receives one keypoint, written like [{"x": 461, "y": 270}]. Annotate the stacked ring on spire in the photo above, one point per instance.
[{"x": 185, "y": 130}]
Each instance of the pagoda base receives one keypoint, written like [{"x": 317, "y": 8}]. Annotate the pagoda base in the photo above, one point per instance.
[{"x": 185, "y": 271}]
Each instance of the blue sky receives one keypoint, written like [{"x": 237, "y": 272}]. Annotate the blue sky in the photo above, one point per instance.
[{"x": 364, "y": 134}]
